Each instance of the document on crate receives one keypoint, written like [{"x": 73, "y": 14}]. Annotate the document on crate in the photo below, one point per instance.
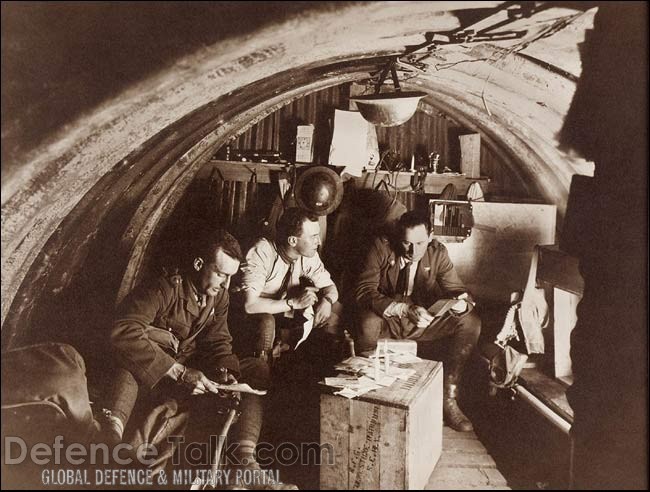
[{"x": 352, "y": 386}]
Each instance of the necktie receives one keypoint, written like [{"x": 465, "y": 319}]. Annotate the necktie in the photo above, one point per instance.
[
  {"x": 285, "y": 282},
  {"x": 201, "y": 300},
  {"x": 403, "y": 280}
]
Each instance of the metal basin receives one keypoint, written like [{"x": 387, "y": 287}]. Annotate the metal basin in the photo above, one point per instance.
[{"x": 388, "y": 109}]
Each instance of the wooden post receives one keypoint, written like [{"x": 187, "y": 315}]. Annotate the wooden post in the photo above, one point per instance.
[{"x": 470, "y": 155}]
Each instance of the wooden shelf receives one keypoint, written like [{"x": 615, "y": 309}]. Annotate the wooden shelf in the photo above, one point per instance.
[
  {"x": 434, "y": 183},
  {"x": 559, "y": 269},
  {"x": 267, "y": 172},
  {"x": 270, "y": 172},
  {"x": 550, "y": 391}
]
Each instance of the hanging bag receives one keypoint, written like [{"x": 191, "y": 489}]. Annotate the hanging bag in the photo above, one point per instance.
[
  {"x": 506, "y": 362},
  {"x": 533, "y": 312}
]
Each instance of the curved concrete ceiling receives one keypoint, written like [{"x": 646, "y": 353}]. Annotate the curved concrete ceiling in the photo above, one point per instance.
[{"x": 109, "y": 177}]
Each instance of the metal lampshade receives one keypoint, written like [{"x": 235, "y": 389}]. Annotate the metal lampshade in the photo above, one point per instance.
[{"x": 390, "y": 108}]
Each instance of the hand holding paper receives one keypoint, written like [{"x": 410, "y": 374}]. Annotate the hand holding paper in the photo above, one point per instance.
[
  {"x": 419, "y": 316},
  {"x": 441, "y": 306},
  {"x": 240, "y": 387},
  {"x": 459, "y": 307}
]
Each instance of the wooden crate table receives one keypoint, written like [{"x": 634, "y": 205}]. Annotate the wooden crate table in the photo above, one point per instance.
[{"x": 390, "y": 438}]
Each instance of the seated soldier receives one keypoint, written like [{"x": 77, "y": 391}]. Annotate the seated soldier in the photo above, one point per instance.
[
  {"x": 401, "y": 279},
  {"x": 285, "y": 277},
  {"x": 172, "y": 335}
]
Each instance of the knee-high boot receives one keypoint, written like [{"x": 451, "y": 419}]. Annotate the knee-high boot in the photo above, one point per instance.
[{"x": 453, "y": 415}]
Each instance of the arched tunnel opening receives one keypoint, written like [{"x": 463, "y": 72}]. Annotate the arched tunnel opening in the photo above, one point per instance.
[{"x": 113, "y": 172}]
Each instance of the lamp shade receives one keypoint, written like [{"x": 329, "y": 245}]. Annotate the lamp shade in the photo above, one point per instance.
[{"x": 390, "y": 108}]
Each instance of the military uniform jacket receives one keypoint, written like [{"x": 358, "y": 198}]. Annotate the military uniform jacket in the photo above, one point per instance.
[
  {"x": 162, "y": 323},
  {"x": 377, "y": 284}
]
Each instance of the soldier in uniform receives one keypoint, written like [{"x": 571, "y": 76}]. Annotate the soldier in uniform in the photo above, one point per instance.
[
  {"x": 285, "y": 276},
  {"x": 172, "y": 343},
  {"x": 402, "y": 277}
]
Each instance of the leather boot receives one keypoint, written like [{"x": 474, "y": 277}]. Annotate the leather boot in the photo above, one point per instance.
[
  {"x": 453, "y": 415},
  {"x": 110, "y": 430}
]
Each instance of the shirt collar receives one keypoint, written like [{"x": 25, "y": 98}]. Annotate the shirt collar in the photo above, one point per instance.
[
  {"x": 201, "y": 299},
  {"x": 403, "y": 262},
  {"x": 283, "y": 254}
]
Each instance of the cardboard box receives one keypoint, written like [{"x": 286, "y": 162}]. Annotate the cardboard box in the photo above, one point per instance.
[
  {"x": 305, "y": 143},
  {"x": 470, "y": 155},
  {"x": 387, "y": 439}
]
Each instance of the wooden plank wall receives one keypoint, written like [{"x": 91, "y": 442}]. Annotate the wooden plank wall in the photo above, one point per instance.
[
  {"x": 423, "y": 134},
  {"x": 278, "y": 130},
  {"x": 503, "y": 182},
  {"x": 428, "y": 131}
]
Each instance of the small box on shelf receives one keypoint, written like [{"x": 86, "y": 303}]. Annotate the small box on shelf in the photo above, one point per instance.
[{"x": 305, "y": 143}]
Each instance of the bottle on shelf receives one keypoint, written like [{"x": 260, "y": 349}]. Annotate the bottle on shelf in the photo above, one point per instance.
[{"x": 434, "y": 160}]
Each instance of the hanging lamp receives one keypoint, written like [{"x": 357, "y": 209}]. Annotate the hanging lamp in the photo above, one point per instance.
[{"x": 388, "y": 108}]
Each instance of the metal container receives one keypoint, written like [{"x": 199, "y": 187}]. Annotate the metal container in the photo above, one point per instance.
[{"x": 390, "y": 108}]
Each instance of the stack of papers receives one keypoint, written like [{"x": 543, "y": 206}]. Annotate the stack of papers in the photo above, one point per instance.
[
  {"x": 351, "y": 387},
  {"x": 381, "y": 378},
  {"x": 350, "y": 393},
  {"x": 359, "y": 375},
  {"x": 342, "y": 381},
  {"x": 353, "y": 365}
]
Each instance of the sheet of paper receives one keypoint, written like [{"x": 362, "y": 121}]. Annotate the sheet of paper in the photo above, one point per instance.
[
  {"x": 342, "y": 382},
  {"x": 347, "y": 393},
  {"x": 350, "y": 142},
  {"x": 367, "y": 384},
  {"x": 308, "y": 325},
  {"x": 353, "y": 364},
  {"x": 441, "y": 306},
  {"x": 241, "y": 387},
  {"x": 372, "y": 145},
  {"x": 350, "y": 393},
  {"x": 381, "y": 380}
]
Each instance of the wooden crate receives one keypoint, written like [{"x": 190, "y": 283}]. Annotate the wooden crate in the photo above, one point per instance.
[
  {"x": 470, "y": 155},
  {"x": 386, "y": 439},
  {"x": 494, "y": 261}
]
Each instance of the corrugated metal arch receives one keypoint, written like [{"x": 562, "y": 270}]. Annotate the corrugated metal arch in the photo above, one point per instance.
[{"x": 116, "y": 173}]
